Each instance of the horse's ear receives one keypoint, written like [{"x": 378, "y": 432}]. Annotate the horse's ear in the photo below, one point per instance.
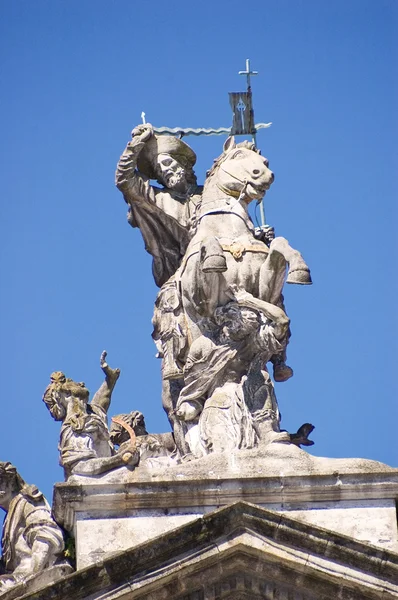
[{"x": 229, "y": 144}]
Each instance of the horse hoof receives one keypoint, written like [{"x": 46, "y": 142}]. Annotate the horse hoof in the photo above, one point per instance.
[
  {"x": 299, "y": 276},
  {"x": 214, "y": 264},
  {"x": 282, "y": 372}
]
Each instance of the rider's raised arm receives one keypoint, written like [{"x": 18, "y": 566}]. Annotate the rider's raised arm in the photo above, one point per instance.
[{"x": 134, "y": 186}]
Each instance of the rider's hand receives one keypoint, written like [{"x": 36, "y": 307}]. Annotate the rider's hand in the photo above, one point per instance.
[
  {"x": 265, "y": 233},
  {"x": 143, "y": 132}
]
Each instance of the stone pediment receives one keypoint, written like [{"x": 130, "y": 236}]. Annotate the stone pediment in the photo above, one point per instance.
[{"x": 238, "y": 552}]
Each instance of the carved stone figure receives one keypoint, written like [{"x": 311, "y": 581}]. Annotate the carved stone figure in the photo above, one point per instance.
[
  {"x": 85, "y": 446},
  {"x": 168, "y": 218},
  {"x": 228, "y": 396},
  {"x": 170, "y": 331},
  {"x": 163, "y": 214},
  {"x": 149, "y": 445},
  {"x": 205, "y": 249},
  {"x": 224, "y": 260},
  {"x": 32, "y": 541},
  {"x": 224, "y": 250}
]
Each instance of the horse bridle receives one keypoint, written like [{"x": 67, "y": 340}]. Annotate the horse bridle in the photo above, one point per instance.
[
  {"x": 220, "y": 211},
  {"x": 239, "y": 197},
  {"x": 244, "y": 182}
]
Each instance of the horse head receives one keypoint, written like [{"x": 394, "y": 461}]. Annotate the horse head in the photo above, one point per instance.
[{"x": 241, "y": 170}]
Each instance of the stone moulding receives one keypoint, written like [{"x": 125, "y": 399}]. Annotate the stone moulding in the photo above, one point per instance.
[
  {"x": 70, "y": 498},
  {"x": 246, "y": 547}
]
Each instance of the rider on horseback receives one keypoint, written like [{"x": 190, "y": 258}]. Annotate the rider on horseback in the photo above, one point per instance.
[{"x": 166, "y": 218}]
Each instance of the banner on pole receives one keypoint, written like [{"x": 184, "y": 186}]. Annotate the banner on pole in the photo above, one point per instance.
[{"x": 242, "y": 110}]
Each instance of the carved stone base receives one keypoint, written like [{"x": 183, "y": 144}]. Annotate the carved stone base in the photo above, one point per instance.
[{"x": 118, "y": 511}]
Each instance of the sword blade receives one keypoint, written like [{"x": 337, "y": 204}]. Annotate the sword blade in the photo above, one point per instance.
[{"x": 183, "y": 131}]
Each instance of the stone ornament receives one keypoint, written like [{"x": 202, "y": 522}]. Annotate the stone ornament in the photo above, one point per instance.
[
  {"x": 32, "y": 541},
  {"x": 85, "y": 445},
  {"x": 219, "y": 316}
]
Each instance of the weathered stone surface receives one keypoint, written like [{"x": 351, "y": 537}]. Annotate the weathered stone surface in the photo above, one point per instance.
[
  {"x": 241, "y": 551},
  {"x": 144, "y": 509},
  {"x": 131, "y": 426},
  {"x": 37, "y": 581},
  {"x": 354, "y": 497},
  {"x": 32, "y": 543},
  {"x": 163, "y": 214},
  {"x": 219, "y": 316},
  {"x": 85, "y": 446}
]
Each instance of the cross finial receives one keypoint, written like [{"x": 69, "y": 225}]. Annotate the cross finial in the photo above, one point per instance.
[{"x": 248, "y": 73}]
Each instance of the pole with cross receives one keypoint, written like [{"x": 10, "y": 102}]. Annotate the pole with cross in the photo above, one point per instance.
[{"x": 248, "y": 72}]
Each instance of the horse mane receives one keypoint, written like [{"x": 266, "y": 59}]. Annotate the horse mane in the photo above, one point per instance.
[{"x": 217, "y": 161}]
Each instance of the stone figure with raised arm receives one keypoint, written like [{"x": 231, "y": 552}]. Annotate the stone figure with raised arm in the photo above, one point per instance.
[
  {"x": 168, "y": 218},
  {"x": 32, "y": 541},
  {"x": 85, "y": 446},
  {"x": 163, "y": 214}
]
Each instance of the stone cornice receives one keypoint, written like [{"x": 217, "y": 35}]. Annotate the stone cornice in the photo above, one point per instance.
[{"x": 119, "y": 498}]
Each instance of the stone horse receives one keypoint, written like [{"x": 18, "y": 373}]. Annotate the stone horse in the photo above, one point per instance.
[{"x": 224, "y": 254}]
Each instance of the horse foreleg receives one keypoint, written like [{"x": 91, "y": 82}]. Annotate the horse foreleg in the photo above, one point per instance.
[
  {"x": 298, "y": 270},
  {"x": 207, "y": 296},
  {"x": 272, "y": 277},
  {"x": 205, "y": 291}
]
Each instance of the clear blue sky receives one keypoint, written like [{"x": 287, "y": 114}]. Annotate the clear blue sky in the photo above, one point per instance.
[{"x": 75, "y": 277}]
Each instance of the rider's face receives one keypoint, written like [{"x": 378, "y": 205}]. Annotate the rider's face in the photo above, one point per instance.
[{"x": 170, "y": 172}]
